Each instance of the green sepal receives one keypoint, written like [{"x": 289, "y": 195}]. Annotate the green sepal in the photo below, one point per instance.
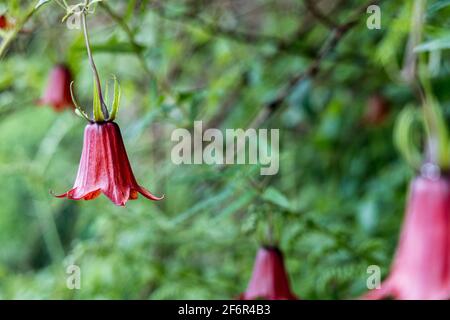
[
  {"x": 404, "y": 137},
  {"x": 437, "y": 141},
  {"x": 116, "y": 100},
  {"x": 106, "y": 95},
  {"x": 437, "y": 129},
  {"x": 97, "y": 106},
  {"x": 78, "y": 110}
]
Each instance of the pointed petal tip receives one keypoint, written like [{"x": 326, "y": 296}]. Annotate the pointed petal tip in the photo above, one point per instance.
[
  {"x": 119, "y": 203},
  {"x": 63, "y": 195},
  {"x": 153, "y": 197},
  {"x": 377, "y": 294},
  {"x": 70, "y": 195},
  {"x": 149, "y": 195},
  {"x": 160, "y": 198}
]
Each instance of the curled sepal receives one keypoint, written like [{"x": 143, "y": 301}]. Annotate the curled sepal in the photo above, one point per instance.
[
  {"x": 71, "y": 10},
  {"x": 97, "y": 106},
  {"x": 78, "y": 110},
  {"x": 116, "y": 100},
  {"x": 438, "y": 140},
  {"x": 404, "y": 137}
]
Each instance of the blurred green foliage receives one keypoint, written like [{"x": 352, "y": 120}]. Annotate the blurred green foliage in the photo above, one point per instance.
[{"x": 336, "y": 204}]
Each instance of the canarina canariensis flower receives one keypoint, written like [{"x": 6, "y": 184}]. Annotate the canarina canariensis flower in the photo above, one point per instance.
[
  {"x": 421, "y": 266},
  {"x": 3, "y": 22},
  {"x": 377, "y": 110},
  {"x": 57, "y": 93},
  {"x": 269, "y": 280},
  {"x": 104, "y": 165},
  {"x": 105, "y": 168}
]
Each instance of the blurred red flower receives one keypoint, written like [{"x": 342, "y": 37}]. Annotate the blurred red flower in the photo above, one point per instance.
[
  {"x": 3, "y": 22},
  {"x": 421, "y": 267},
  {"x": 104, "y": 167},
  {"x": 57, "y": 93},
  {"x": 377, "y": 110},
  {"x": 269, "y": 279}
]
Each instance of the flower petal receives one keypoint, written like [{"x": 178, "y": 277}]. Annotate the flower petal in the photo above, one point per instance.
[{"x": 148, "y": 194}]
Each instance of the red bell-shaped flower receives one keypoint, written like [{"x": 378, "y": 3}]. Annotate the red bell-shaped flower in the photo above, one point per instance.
[
  {"x": 57, "y": 94},
  {"x": 105, "y": 168},
  {"x": 269, "y": 279},
  {"x": 421, "y": 267},
  {"x": 3, "y": 22},
  {"x": 377, "y": 110}
]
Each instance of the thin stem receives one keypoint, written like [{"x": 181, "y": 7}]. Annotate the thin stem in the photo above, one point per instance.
[
  {"x": 323, "y": 18},
  {"x": 93, "y": 67}
]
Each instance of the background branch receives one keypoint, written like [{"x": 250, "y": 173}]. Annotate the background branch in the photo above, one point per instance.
[{"x": 337, "y": 34}]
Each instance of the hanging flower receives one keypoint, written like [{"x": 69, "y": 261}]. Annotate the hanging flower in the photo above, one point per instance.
[
  {"x": 421, "y": 267},
  {"x": 57, "y": 93},
  {"x": 269, "y": 279},
  {"x": 4, "y": 24},
  {"x": 105, "y": 168},
  {"x": 104, "y": 165},
  {"x": 377, "y": 110}
]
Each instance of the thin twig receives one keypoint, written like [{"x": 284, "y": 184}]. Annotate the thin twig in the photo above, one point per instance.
[
  {"x": 93, "y": 67},
  {"x": 282, "y": 44},
  {"x": 312, "y": 8},
  {"x": 330, "y": 44}
]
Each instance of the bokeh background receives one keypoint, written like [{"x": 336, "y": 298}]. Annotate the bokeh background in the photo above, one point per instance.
[{"x": 309, "y": 68}]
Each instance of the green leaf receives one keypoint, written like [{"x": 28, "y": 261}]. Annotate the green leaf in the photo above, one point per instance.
[
  {"x": 206, "y": 205},
  {"x": 113, "y": 45},
  {"x": 435, "y": 44},
  {"x": 237, "y": 204},
  {"x": 274, "y": 196},
  {"x": 97, "y": 106},
  {"x": 438, "y": 5}
]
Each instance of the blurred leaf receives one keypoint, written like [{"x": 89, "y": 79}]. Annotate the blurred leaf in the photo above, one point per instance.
[
  {"x": 113, "y": 45},
  {"x": 437, "y": 5},
  {"x": 41, "y": 3},
  {"x": 274, "y": 196},
  {"x": 433, "y": 45}
]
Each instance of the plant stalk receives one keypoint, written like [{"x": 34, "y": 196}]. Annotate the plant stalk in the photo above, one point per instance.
[{"x": 92, "y": 64}]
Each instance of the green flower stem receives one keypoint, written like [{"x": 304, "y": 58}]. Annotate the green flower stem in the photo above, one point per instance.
[{"x": 93, "y": 67}]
